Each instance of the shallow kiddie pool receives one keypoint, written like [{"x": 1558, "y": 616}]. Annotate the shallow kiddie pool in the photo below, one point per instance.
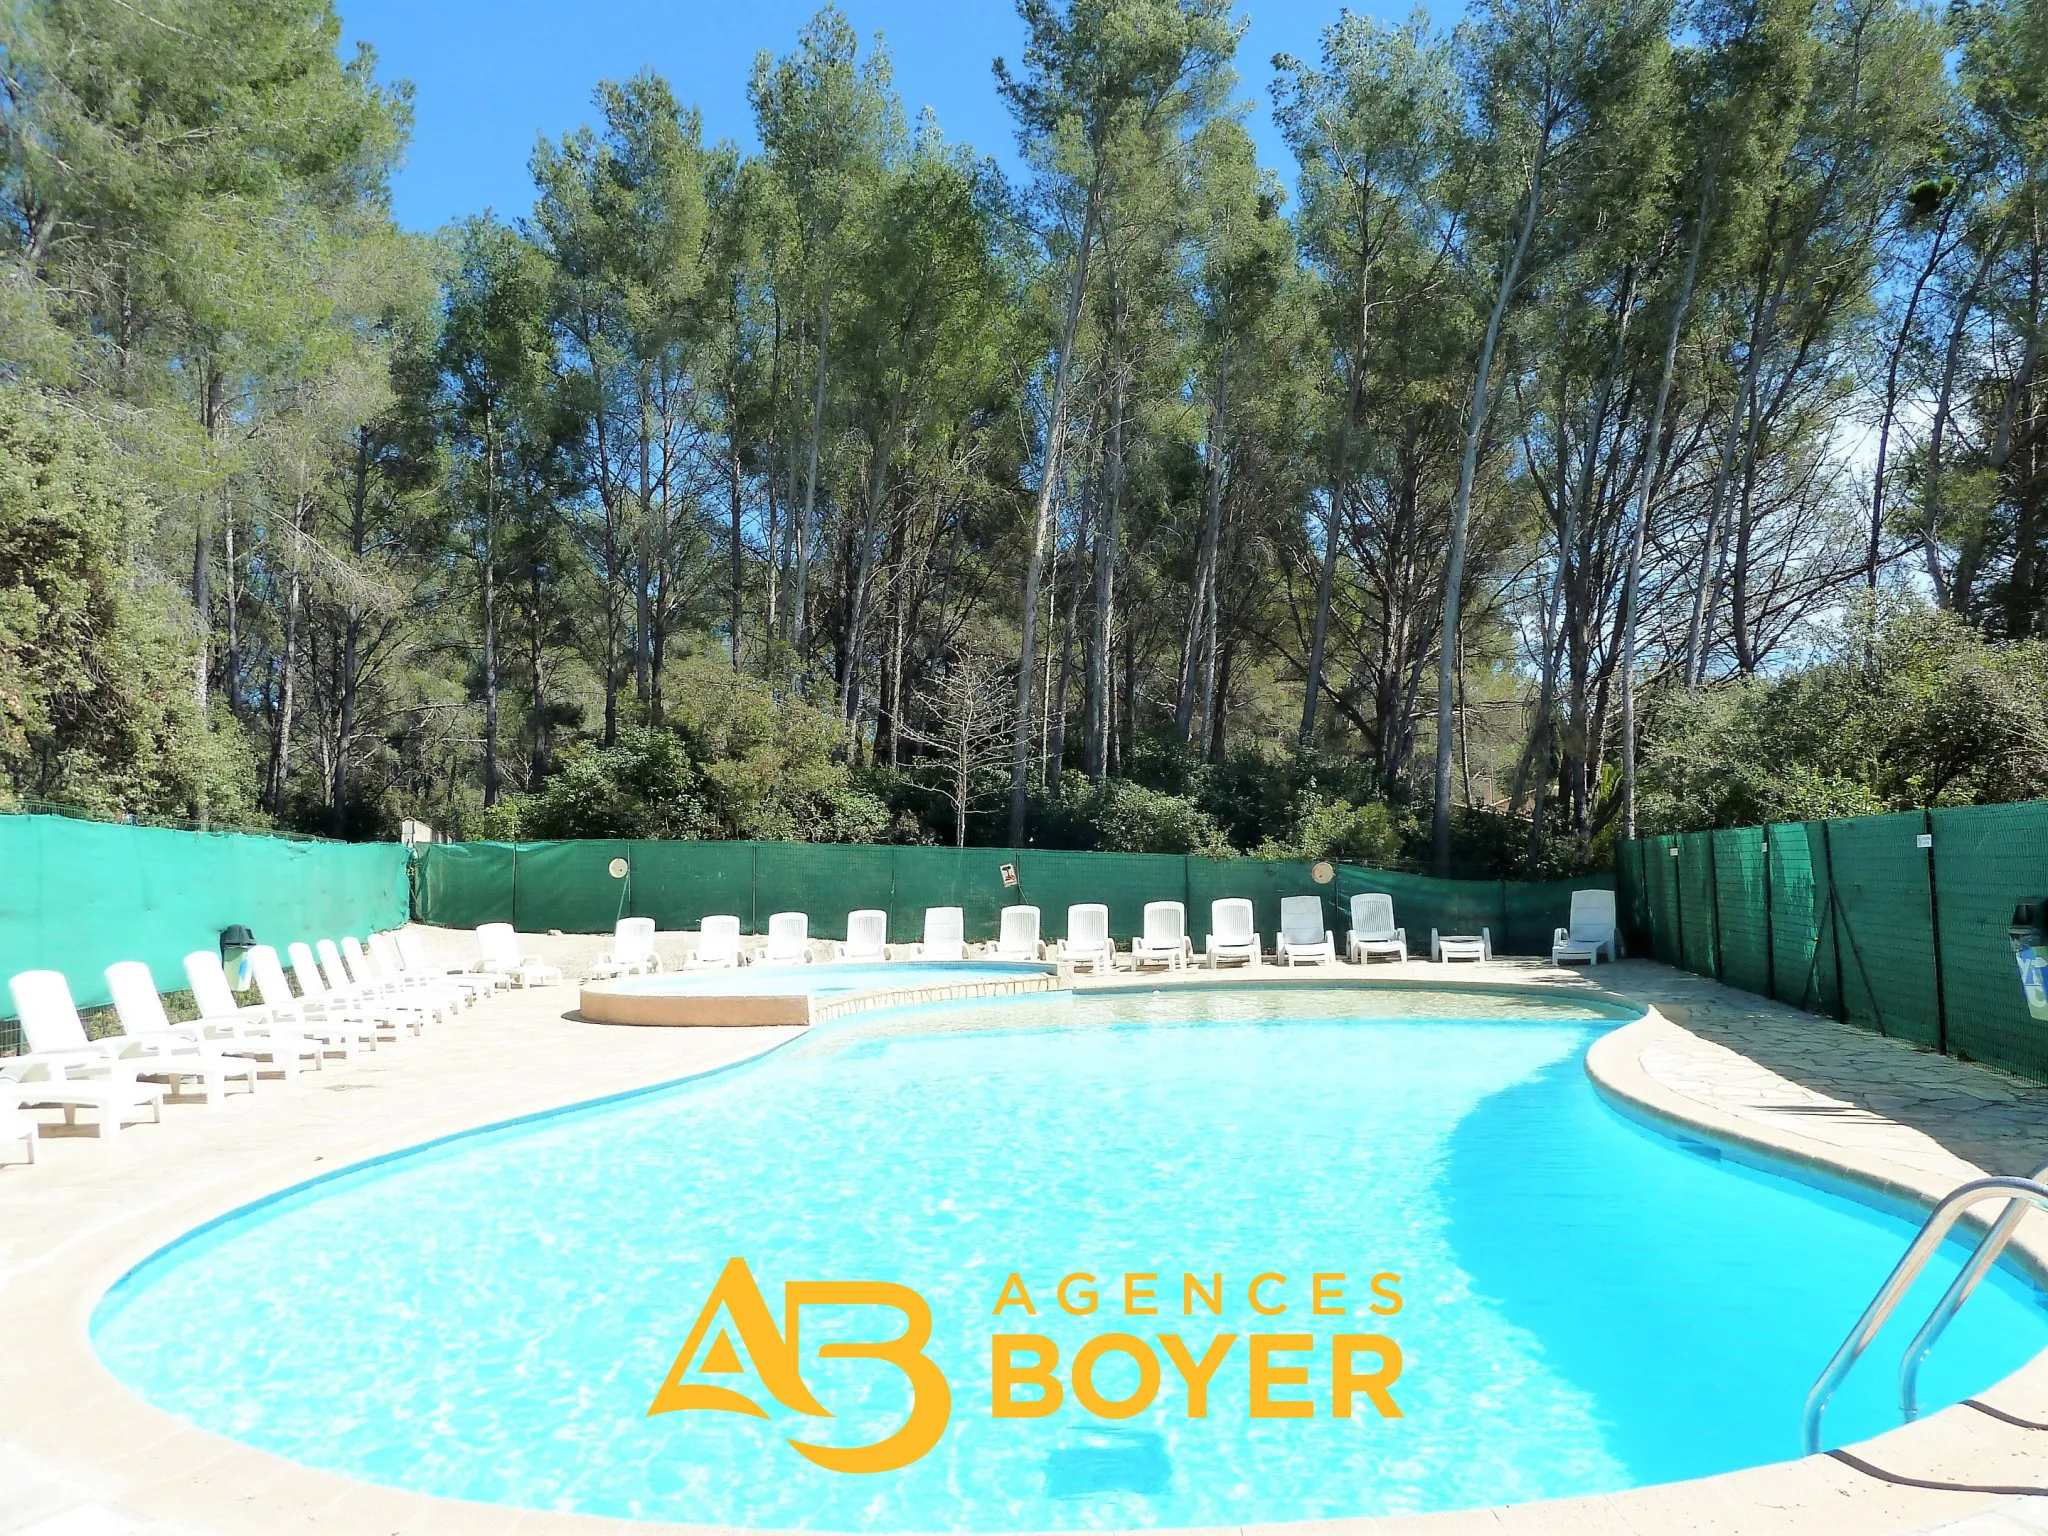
[{"x": 1584, "y": 1306}]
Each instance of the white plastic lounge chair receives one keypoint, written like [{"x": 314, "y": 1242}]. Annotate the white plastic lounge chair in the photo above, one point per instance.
[
  {"x": 376, "y": 979},
  {"x": 867, "y": 936},
  {"x": 1165, "y": 939},
  {"x": 52, "y": 1029},
  {"x": 1303, "y": 938},
  {"x": 16, "y": 1123},
  {"x": 404, "y": 953},
  {"x": 945, "y": 935},
  {"x": 1088, "y": 942},
  {"x": 40, "y": 1082},
  {"x": 1461, "y": 946},
  {"x": 309, "y": 1014},
  {"x": 498, "y": 947},
  {"x": 789, "y": 940},
  {"x": 161, "y": 1049},
  {"x": 249, "y": 1029},
  {"x": 718, "y": 945},
  {"x": 65, "y": 1070},
  {"x": 1232, "y": 939},
  {"x": 1592, "y": 930},
  {"x": 632, "y": 952},
  {"x": 1017, "y": 939},
  {"x": 1372, "y": 929},
  {"x": 313, "y": 988},
  {"x": 372, "y": 995}
]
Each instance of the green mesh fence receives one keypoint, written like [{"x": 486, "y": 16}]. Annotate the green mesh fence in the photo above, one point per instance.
[
  {"x": 1988, "y": 859},
  {"x": 1696, "y": 916},
  {"x": 569, "y": 886},
  {"x": 78, "y": 895},
  {"x": 1742, "y": 916},
  {"x": 1895, "y": 923}
]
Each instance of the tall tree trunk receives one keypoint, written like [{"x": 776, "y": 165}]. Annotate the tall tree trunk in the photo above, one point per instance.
[
  {"x": 799, "y": 605},
  {"x": 490, "y": 595},
  {"x": 1935, "y": 254},
  {"x": 1107, "y": 533},
  {"x": 1461, "y": 516},
  {"x": 1951, "y": 595},
  {"x": 1631, "y": 591},
  {"x": 738, "y": 551},
  {"x": 351, "y": 640},
  {"x": 1198, "y": 630},
  {"x": 210, "y": 413},
  {"x": 1048, "y": 491}
]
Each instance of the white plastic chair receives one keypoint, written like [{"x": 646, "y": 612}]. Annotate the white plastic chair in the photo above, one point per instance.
[
  {"x": 372, "y": 995},
  {"x": 338, "y": 1026},
  {"x": 250, "y": 1029},
  {"x": 406, "y": 957},
  {"x": 1592, "y": 930},
  {"x": 498, "y": 946},
  {"x": 1372, "y": 929},
  {"x": 945, "y": 935},
  {"x": 63, "y": 1069},
  {"x": 1231, "y": 936},
  {"x": 161, "y": 1049},
  {"x": 867, "y": 936},
  {"x": 1303, "y": 938},
  {"x": 789, "y": 940},
  {"x": 1088, "y": 942},
  {"x": 370, "y": 972},
  {"x": 718, "y": 945},
  {"x": 1165, "y": 939},
  {"x": 1018, "y": 939},
  {"x": 632, "y": 952},
  {"x": 313, "y": 988},
  {"x": 1445, "y": 947}
]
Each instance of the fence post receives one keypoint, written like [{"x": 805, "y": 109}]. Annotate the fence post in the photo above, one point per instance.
[
  {"x": 1827, "y": 852},
  {"x": 1677, "y": 852},
  {"x": 1713, "y": 901},
  {"x": 1770, "y": 931},
  {"x": 1934, "y": 925}
]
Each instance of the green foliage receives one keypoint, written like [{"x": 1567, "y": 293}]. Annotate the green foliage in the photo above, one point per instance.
[
  {"x": 1908, "y": 709},
  {"x": 735, "y": 763},
  {"x": 1337, "y": 829},
  {"x": 96, "y": 701}
]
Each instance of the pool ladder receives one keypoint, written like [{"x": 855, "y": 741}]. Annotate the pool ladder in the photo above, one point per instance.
[{"x": 2018, "y": 1194}]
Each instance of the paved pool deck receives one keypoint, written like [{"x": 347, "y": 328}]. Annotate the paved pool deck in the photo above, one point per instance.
[{"x": 81, "y": 1456}]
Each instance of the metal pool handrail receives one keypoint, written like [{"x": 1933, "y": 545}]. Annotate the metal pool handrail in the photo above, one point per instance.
[
  {"x": 1906, "y": 1271},
  {"x": 1987, "y": 1254}
]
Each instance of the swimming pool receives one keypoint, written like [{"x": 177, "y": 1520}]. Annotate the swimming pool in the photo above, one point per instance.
[{"x": 1586, "y": 1306}]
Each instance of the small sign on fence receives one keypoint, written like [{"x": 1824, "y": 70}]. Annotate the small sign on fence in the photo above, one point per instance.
[{"x": 1010, "y": 876}]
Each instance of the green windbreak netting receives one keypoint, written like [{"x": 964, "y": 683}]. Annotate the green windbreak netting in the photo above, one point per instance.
[
  {"x": 472, "y": 883},
  {"x": 1881, "y": 903},
  {"x": 1862, "y": 919},
  {"x": 968, "y": 878},
  {"x": 1123, "y": 882},
  {"x": 1660, "y": 880},
  {"x": 680, "y": 884},
  {"x": 1742, "y": 910},
  {"x": 1632, "y": 896},
  {"x": 827, "y": 880},
  {"x": 1802, "y": 928},
  {"x": 1987, "y": 860},
  {"x": 1696, "y": 918},
  {"x": 78, "y": 895},
  {"x": 569, "y": 886}
]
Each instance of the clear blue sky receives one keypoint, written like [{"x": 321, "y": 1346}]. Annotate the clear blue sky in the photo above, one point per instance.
[{"x": 491, "y": 76}]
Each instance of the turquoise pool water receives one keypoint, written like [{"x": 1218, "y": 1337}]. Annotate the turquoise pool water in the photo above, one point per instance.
[
  {"x": 827, "y": 980},
  {"x": 1588, "y": 1306}
]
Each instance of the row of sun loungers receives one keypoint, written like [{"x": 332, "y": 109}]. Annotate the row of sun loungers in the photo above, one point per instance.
[
  {"x": 1232, "y": 939},
  {"x": 350, "y": 997}
]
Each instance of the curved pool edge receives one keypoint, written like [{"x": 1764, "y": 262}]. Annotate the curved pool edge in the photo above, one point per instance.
[
  {"x": 620, "y": 1002},
  {"x": 158, "y": 1468}
]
